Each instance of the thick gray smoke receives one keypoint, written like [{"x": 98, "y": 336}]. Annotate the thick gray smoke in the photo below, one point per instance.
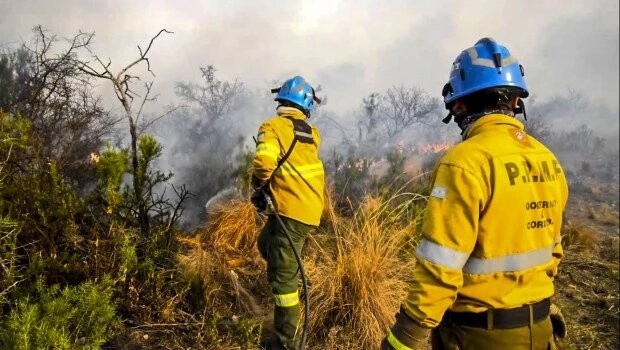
[
  {"x": 206, "y": 138},
  {"x": 582, "y": 133},
  {"x": 569, "y": 50}
]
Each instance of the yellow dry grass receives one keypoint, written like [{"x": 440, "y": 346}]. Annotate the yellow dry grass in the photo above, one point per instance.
[
  {"x": 358, "y": 267},
  {"x": 359, "y": 275},
  {"x": 232, "y": 227},
  {"x": 604, "y": 214},
  {"x": 587, "y": 292},
  {"x": 224, "y": 259},
  {"x": 330, "y": 217},
  {"x": 579, "y": 236},
  {"x": 223, "y": 285}
]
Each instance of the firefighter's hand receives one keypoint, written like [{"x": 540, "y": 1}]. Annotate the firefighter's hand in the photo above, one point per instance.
[
  {"x": 557, "y": 321},
  {"x": 406, "y": 332},
  {"x": 259, "y": 200},
  {"x": 257, "y": 183}
]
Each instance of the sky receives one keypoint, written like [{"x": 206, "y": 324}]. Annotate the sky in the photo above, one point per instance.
[{"x": 350, "y": 48}]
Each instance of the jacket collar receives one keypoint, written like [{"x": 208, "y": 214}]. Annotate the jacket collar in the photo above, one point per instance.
[
  {"x": 292, "y": 112},
  {"x": 489, "y": 122}
]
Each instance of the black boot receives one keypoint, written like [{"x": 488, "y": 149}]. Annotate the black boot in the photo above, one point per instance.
[{"x": 272, "y": 344}]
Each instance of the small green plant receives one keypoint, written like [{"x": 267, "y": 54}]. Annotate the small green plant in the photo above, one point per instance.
[
  {"x": 249, "y": 332},
  {"x": 243, "y": 171},
  {"x": 81, "y": 317},
  {"x": 352, "y": 179},
  {"x": 8, "y": 258},
  {"x": 111, "y": 167}
]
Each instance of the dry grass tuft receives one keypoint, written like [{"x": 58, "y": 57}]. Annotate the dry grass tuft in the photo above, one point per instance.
[
  {"x": 330, "y": 217},
  {"x": 587, "y": 286},
  {"x": 358, "y": 276},
  {"x": 223, "y": 260},
  {"x": 232, "y": 227},
  {"x": 222, "y": 284},
  {"x": 579, "y": 236},
  {"x": 604, "y": 214}
]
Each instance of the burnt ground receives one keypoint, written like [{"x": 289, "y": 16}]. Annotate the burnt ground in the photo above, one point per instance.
[{"x": 588, "y": 281}]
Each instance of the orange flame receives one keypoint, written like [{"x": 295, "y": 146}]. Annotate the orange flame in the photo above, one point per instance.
[
  {"x": 94, "y": 158},
  {"x": 428, "y": 148}
]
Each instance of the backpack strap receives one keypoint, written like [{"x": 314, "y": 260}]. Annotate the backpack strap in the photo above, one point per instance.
[
  {"x": 303, "y": 131},
  {"x": 303, "y": 134}
]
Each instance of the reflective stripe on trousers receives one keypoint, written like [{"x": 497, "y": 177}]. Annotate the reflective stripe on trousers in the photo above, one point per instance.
[
  {"x": 286, "y": 300},
  {"x": 396, "y": 344}
]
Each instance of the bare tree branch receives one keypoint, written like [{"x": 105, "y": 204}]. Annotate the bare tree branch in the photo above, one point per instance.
[
  {"x": 146, "y": 98},
  {"x": 402, "y": 107},
  {"x": 161, "y": 116},
  {"x": 143, "y": 55},
  {"x": 124, "y": 93}
]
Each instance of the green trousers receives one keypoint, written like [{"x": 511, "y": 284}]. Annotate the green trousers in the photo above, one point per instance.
[
  {"x": 538, "y": 336},
  {"x": 283, "y": 273}
]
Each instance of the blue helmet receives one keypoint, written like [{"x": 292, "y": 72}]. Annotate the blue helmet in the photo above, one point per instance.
[
  {"x": 485, "y": 65},
  {"x": 296, "y": 90}
]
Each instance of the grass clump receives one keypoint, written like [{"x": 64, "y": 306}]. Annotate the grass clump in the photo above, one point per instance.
[
  {"x": 604, "y": 214},
  {"x": 232, "y": 227},
  {"x": 579, "y": 236},
  {"x": 358, "y": 274},
  {"x": 222, "y": 261}
]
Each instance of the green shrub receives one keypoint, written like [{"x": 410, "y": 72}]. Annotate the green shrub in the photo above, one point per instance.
[
  {"x": 9, "y": 275},
  {"x": 80, "y": 317}
]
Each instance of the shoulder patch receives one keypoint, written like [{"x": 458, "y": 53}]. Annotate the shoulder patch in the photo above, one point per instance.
[
  {"x": 521, "y": 137},
  {"x": 439, "y": 192}
]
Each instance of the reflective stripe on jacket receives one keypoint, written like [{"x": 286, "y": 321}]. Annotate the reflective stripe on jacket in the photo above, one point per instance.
[
  {"x": 491, "y": 231},
  {"x": 298, "y": 185}
]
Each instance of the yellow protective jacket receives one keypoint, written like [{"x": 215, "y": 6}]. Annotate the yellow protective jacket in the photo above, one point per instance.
[
  {"x": 297, "y": 187},
  {"x": 491, "y": 231}
]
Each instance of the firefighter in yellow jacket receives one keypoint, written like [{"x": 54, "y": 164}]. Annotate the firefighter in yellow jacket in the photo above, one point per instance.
[
  {"x": 491, "y": 232},
  {"x": 287, "y": 166}
]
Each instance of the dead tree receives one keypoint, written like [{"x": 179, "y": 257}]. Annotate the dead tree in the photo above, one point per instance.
[
  {"x": 368, "y": 120},
  {"x": 402, "y": 107},
  {"x": 122, "y": 84},
  {"x": 215, "y": 98},
  {"x": 40, "y": 82}
]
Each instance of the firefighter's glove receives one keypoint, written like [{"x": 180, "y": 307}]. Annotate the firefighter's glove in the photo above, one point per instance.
[
  {"x": 406, "y": 332},
  {"x": 258, "y": 196},
  {"x": 258, "y": 183},
  {"x": 557, "y": 321},
  {"x": 259, "y": 200}
]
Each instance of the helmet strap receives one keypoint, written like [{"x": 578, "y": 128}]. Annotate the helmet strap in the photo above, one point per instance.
[{"x": 521, "y": 109}]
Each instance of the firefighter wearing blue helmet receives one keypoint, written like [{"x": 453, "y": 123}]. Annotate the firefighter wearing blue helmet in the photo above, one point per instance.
[
  {"x": 297, "y": 93},
  {"x": 484, "y": 77},
  {"x": 487, "y": 259},
  {"x": 287, "y": 167}
]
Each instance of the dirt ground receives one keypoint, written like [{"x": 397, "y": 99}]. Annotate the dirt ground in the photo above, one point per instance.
[{"x": 588, "y": 281}]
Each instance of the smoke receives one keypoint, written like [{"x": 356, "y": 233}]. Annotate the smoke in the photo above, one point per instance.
[
  {"x": 582, "y": 133},
  {"x": 569, "y": 50},
  {"x": 206, "y": 138},
  {"x": 574, "y": 108},
  {"x": 204, "y": 149}
]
